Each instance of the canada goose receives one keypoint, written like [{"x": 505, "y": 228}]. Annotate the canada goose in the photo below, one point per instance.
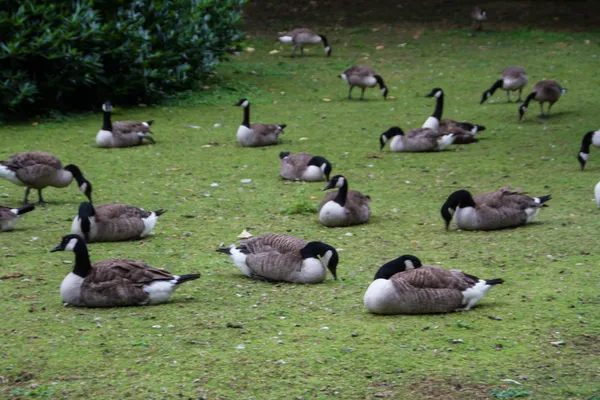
[
  {"x": 113, "y": 222},
  {"x": 343, "y": 207},
  {"x": 115, "y": 282},
  {"x": 590, "y": 138},
  {"x": 301, "y": 36},
  {"x": 597, "y": 193},
  {"x": 254, "y": 135},
  {"x": 416, "y": 140},
  {"x": 283, "y": 258},
  {"x": 512, "y": 79},
  {"x": 363, "y": 77},
  {"x": 9, "y": 216},
  {"x": 37, "y": 170},
  {"x": 464, "y": 132},
  {"x": 433, "y": 122},
  {"x": 478, "y": 15},
  {"x": 501, "y": 209},
  {"x": 122, "y": 134},
  {"x": 543, "y": 92},
  {"x": 423, "y": 290},
  {"x": 304, "y": 167}
]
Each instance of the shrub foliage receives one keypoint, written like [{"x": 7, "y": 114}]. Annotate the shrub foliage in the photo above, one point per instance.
[{"x": 72, "y": 54}]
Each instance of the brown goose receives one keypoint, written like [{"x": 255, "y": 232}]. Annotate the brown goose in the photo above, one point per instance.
[
  {"x": 363, "y": 77},
  {"x": 303, "y": 36},
  {"x": 122, "y": 134},
  {"x": 38, "y": 170},
  {"x": 548, "y": 91},
  {"x": 115, "y": 282},
  {"x": 501, "y": 209},
  {"x": 304, "y": 167},
  {"x": 405, "y": 286},
  {"x": 9, "y": 216},
  {"x": 255, "y": 135},
  {"x": 113, "y": 222},
  {"x": 512, "y": 79},
  {"x": 343, "y": 207},
  {"x": 283, "y": 258},
  {"x": 478, "y": 15},
  {"x": 416, "y": 140}
]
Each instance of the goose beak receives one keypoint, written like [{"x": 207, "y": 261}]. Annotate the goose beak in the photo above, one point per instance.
[{"x": 57, "y": 248}]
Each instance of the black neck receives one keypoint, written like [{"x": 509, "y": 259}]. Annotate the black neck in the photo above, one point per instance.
[
  {"x": 82, "y": 260},
  {"x": 85, "y": 226},
  {"x": 324, "y": 39},
  {"x": 439, "y": 107},
  {"x": 342, "y": 194},
  {"x": 528, "y": 99},
  {"x": 497, "y": 85},
  {"x": 586, "y": 142},
  {"x": 107, "y": 124},
  {"x": 246, "y": 121},
  {"x": 379, "y": 81}
]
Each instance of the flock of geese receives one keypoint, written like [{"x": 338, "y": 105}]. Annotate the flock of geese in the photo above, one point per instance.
[{"x": 403, "y": 285}]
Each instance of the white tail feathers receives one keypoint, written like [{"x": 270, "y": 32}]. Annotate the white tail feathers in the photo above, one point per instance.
[
  {"x": 446, "y": 141},
  {"x": 9, "y": 175},
  {"x": 286, "y": 39}
]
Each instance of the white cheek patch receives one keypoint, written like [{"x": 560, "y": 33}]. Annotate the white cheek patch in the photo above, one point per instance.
[
  {"x": 326, "y": 257},
  {"x": 71, "y": 245},
  {"x": 584, "y": 156},
  {"x": 340, "y": 183},
  {"x": 344, "y": 77},
  {"x": 322, "y": 167},
  {"x": 83, "y": 187},
  {"x": 145, "y": 124},
  {"x": 327, "y": 49},
  {"x": 409, "y": 265},
  {"x": 437, "y": 94},
  {"x": 384, "y": 138},
  {"x": 245, "y": 103}
]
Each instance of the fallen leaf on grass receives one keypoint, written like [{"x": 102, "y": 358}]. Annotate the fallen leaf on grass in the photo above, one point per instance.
[
  {"x": 274, "y": 52},
  {"x": 379, "y": 47},
  {"x": 327, "y": 100},
  {"x": 11, "y": 276},
  {"x": 245, "y": 235}
]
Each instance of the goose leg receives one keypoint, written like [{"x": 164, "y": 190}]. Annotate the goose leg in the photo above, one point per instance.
[
  {"x": 294, "y": 50},
  {"x": 519, "y": 99},
  {"x": 350, "y": 93},
  {"x": 40, "y": 198},
  {"x": 542, "y": 115},
  {"x": 301, "y": 51},
  {"x": 549, "y": 107},
  {"x": 362, "y": 94},
  {"x": 25, "y": 202},
  {"x": 508, "y": 96}
]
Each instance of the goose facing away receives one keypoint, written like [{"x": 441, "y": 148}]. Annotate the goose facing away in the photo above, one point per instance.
[
  {"x": 501, "y": 209},
  {"x": 113, "y": 222},
  {"x": 114, "y": 282},
  {"x": 9, "y": 216},
  {"x": 255, "y": 135},
  {"x": 38, "y": 170},
  {"x": 416, "y": 140},
  {"x": 304, "y": 167},
  {"x": 284, "y": 258},
  {"x": 590, "y": 138},
  {"x": 478, "y": 15},
  {"x": 548, "y": 91},
  {"x": 512, "y": 79},
  {"x": 303, "y": 36},
  {"x": 424, "y": 290},
  {"x": 122, "y": 134},
  {"x": 363, "y": 77},
  {"x": 343, "y": 207}
]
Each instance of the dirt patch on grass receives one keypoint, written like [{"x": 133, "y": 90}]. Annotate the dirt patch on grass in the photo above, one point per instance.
[{"x": 432, "y": 388}]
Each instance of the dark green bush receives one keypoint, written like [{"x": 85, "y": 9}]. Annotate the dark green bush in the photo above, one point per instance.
[{"x": 73, "y": 54}]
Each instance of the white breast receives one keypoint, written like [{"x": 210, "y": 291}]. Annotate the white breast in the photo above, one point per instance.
[
  {"x": 70, "y": 289},
  {"x": 313, "y": 174},
  {"x": 245, "y": 135},
  {"x": 512, "y": 84},
  {"x": 466, "y": 218},
  {"x": 7, "y": 224},
  {"x": 370, "y": 81},
  {"x": 312, "y": 271},
  {"x": 397, "y": 143},
  {"x": 104, "y": 139},
  {"x": 596, "y": 139},
  {"x": 380, "y": 297},
  {"x": 332, "y": 214},
  {"x": 432, "y": 123}
]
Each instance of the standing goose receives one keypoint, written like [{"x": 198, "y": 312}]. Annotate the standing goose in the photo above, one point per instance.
[
  {"x": 9, "y": 216},
  {"x": 399, "y": 289},
  {"x": 116, "y": 282},
  {"x": 590, "y": 138},
  {"x": 478, "y": 15},
  {"x": 38, "y": 170},
  {"x": 283, "y": 258},
  {"x": 416, "y": 140},
  {"x": 254, "y": 135},
  {"x": 122, "y": 134},
  {"x": 512, "y": 79},
  {"x": 543, "y": 92},
  {"x": 304, "y": 167},
  {"x": 302, "y": 36},
  {"x": 363, "y": 77},
  {"x": 343, "y": 207},
  {"x": 113, "y": 222},
  {"x": 501, "y": 209}
]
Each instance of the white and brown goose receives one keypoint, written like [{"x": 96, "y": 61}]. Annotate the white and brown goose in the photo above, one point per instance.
[
  {"x": 122, "y": 134},
  {"x": 415, "y": 140},
  {"x": 592, "y": 138},
  {"x": 406, "y": 286},
  {"x": 545, "y": 91},
  {"x": 38, "y": 170},
  {"x": 343, "y": 207},
  {"x": 303, "y": 36},
  {"x": 115, "y": 282},
  {"x": 512, "y": 79},
  {"x": 255, "y": 135},
  {"x": 363, "y": 77},
  {"x": 113, "y": 222},
  {"x": 504, "y": 208},
  {"x": 9, "y": 216},
  {"x": 304, "y": 167},
  {"x": 284, "y": 258}
]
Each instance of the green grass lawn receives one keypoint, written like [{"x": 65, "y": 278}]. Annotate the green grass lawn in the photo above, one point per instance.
[{"x": 227, "y": 337}]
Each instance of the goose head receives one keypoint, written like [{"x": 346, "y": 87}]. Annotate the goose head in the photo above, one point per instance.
[
  {"x": 242, "y": 103},
  {"x": 107, "y": 106},
  {"x": 322, "y": 163},
  {"x": 69, "y": 243},
  {"x": 387, "y": 135},
  {"x": 336, "y": 182},
  {"x": 400, "y": 264},
  {"x": 435, "y": 92},
  {"x": 84, "y": 185},
  {"x": 325, "y": 253},
  {"x": 460, "y": 198}
]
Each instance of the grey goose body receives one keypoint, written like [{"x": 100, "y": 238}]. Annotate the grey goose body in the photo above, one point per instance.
[
  {"x": 9, "y": 216},
  {"x": 415, "y": 140},
  {"x": 38, "y": 170},
  {"x": 512, "y": 79},
  {"x": 302, "y": 36},
  {"x": 545, "y": 91},
  {"x": 423, "y": 289},
  {"x": 113, "y": 222},
  {"x": 256, "y": 135},
  {"x": 304, "y": 167},
  {"x": 504, "y": 208},
  {"x": 122, "y": 134},
  {"x": 343, "y": 207},
  {"x": 363, "y": 77},
  {"x": 283, "y": 258},
  {"x": 115, "y": 282}
]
